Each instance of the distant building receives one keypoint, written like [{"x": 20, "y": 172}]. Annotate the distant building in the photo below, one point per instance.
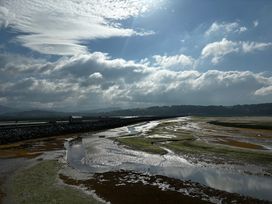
[{"x": 75, "y": 119}]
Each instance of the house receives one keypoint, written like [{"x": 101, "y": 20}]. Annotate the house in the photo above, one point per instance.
[{"x": 75, "y": 119}]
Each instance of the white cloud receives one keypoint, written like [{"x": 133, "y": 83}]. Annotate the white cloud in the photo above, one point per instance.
[
  {"x": 264, "y": 91},
  {"x": 59, "y": 27},
  {"x": 254, "y": 46},
  {"x": 242, "y": 29},
  {"x": 16, "y": 65},
  {"x": 96, "y": 75},
  {"x": 5, "y": 17},
  {"x": 255, "y": 23},
  {"x": 217, "y": 50},
  {"x": 224, "y": 28},
  {"x": 178, "y": 62},
  {"x": 96, "y": 80}
]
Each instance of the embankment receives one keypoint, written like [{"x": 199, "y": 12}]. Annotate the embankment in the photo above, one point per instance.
[{"x": 15, "y": 133}]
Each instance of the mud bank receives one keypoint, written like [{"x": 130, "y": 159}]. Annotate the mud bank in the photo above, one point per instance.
[
  {"x": 130, "y": 187},
  {"x": 14, "y": 133}
]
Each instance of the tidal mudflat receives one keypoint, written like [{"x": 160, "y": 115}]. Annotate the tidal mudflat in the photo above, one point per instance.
[{"x": 188, "y": 159}]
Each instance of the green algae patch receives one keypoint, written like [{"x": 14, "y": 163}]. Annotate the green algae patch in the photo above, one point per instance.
[
  {"x": 142, "y": 144},
  {"x": 199, "y": 148},
  {"x": 40, "y": 184}
]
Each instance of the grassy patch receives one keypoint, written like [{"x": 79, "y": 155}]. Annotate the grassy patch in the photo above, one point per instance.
[
  {"x": 255, "y": 125},
  {"x": 204, "y": 149},
  {"x": 167, "y": 128},
  {"x": 38, "y": 184},
  {"x": 141, "y": 143}
]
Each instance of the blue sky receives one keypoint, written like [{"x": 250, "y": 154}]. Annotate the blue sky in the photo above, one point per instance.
[{"x": 78, "y": 55}]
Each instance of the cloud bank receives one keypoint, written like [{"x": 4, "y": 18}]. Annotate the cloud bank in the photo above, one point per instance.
[{"x": 96, "y": 80}]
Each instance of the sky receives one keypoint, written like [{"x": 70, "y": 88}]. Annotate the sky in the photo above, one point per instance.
[{"x": 74, "y": 55}]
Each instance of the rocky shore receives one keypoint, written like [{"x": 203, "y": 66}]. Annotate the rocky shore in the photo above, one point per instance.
[{"x": 15, "y": 133}]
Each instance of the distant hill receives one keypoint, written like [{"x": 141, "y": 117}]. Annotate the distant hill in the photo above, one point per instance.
[
  {"x": 5, "y": 109},
  {"x": 177, "y": 110},
  {"x": 48, "y": 115},
  {"x": 100, "y": 110},
  {"x": 33, "y": 114},
  {"x": 183, "y": 110}
]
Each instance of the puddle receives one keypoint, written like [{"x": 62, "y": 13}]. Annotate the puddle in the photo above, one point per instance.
[{"x": 157, "y": 136}]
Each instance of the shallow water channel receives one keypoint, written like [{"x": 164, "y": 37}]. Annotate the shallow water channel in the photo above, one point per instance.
[{"x": 97, "y": 153}]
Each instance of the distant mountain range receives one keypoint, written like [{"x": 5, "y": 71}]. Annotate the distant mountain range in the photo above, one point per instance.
[
  {"x": 34, "y": 114},
  {"x": 9, "y": 113},
  {"x": 5, "y": 109},
  {"x": 100, "y": 110},
  {"x": 183, "y": 110},
  {"x": 177, "y": 110}
]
